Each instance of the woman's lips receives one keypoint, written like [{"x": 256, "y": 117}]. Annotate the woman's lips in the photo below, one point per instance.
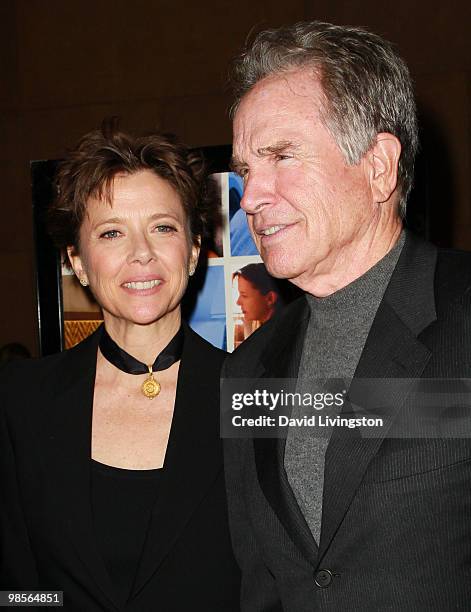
[
  {"x": 149, "y": 284},
  {"x": 143, "y": 287}
]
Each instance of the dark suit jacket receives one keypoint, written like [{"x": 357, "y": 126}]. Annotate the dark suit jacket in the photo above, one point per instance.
[
  {"x": 396, "y": 528},
  {"x": 46, "y": 530}
]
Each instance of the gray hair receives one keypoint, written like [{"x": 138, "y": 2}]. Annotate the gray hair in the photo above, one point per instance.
[{"x": 366, "y": 85}]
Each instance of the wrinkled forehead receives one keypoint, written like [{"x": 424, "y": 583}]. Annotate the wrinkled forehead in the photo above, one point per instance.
[{"x": 280, "y": 101}]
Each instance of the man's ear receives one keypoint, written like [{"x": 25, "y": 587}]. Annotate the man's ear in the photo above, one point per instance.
[
  {"x": 77, "y": 265},
  {"x": 384, "y": 159}
]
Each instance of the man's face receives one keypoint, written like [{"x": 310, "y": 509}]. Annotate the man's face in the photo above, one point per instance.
[{"x": 305, "y": 206}]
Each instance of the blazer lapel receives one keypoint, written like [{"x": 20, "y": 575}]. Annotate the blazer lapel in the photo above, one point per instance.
[
  {"x": 392, "y": 350},
  {"x": 193, "y": 459},
  {"x": 281, "y": 360},
  {"x": 68, "y": 452}
]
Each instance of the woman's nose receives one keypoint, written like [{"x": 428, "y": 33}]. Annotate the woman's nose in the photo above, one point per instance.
[{"x": 141, "y": 250}]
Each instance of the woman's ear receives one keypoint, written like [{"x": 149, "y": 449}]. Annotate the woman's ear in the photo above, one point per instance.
[
  {"x": 272, "y": 297},
  {"x": 384, "y": 160},
  {"x": 77, "y": 265},
  {"x": 194, "y": 255}
]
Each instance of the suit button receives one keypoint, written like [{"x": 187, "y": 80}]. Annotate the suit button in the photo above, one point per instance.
[{"x": 323, "y": 578}]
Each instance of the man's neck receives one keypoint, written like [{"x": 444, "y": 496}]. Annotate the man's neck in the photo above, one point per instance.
[{"x": 351, "y": 263}]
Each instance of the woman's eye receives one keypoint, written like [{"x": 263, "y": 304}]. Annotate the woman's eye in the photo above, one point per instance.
[
  {"x": 164, "y": 229},
  {"x": 110, "y": 234}
]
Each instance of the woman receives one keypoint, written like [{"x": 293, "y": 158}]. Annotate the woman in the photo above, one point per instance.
[
  {"x": 111, "y": 468},
  {"x": 259, "y": 299}
]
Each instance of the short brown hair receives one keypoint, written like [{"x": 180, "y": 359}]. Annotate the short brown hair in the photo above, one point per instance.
[{"x": 89, "y": 169}]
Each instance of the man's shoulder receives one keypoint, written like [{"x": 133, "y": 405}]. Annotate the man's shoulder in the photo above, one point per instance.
[
  {"x": 264, "y": 339},
  {"x": 453, "y": 282},
  {"x": 441, "y": 275},
  {"x": 449, "y": 336},
  {"x": 453, "y": 272}
]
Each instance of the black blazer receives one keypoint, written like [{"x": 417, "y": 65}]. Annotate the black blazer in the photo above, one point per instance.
[
  {"x": 396, "y": 523},
  {"x": 46, "y": 533}
]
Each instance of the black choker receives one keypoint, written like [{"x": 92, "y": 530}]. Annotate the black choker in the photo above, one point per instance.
[{"x": 127, "y": 363}]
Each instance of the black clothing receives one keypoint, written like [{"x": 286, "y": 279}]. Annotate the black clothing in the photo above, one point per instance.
[
  {"x": 396, "y": 515},
  {"x": 47, "y": 537},
  {"x": 122, "y": 502}
]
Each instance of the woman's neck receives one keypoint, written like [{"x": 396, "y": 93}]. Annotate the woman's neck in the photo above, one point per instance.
[{"x": 143, "y": 342}]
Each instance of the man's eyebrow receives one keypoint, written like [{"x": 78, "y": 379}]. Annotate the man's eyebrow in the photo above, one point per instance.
[
  {"x": 278, "y": 147},
  {"x": 281, "y": 146}
]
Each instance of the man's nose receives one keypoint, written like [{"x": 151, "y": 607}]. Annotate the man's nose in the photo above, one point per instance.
[
  {"x": 258, "y": 192},
  {"x": 141, "y": 250}
]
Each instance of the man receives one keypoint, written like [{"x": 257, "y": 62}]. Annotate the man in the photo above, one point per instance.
[{"x": 325, "y": 136}]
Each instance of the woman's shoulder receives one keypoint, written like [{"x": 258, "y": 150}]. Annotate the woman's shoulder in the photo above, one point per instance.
[
  {"x": 204, "y": 349},
  {"x": 33, "y": 377},
  {"x": 22, "y": 384},
  {"x": 44, "y": 366},
  {"x": 28, "y": 369}
]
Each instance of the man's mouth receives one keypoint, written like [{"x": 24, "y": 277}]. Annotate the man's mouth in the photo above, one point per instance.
[
  {"x": 141, "y": 285},
  {"x": 273, "y": 229}
]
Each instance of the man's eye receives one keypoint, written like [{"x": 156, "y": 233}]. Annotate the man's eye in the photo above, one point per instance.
[
  {"x": 281, "y": 157},
  {"x": 165, "y": 229},
  {"x": 110, "y": 234}
]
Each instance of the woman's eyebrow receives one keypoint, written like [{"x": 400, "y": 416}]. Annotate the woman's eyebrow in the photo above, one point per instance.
[{"x": 154, "y": 217}]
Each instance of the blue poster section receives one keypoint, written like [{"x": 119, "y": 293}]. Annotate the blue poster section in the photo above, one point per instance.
[{"x": 208, "y": 318}]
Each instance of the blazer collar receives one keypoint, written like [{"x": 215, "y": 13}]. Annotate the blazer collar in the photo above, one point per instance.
[
  {"x": 192, "y": 462},
  {"x": 392, "y": 350}
]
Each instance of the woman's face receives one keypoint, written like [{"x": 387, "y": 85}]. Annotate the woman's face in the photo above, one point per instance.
[
  {"x": 254, "y": 305},
  {"x": 136, "y": 253}
]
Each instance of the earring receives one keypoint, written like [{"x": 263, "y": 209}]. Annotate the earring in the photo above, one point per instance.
[
  {"x": 83, "y": 282},
  {"x": 191, "y": 271}
]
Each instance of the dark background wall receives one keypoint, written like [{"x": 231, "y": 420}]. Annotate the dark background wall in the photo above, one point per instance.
[{"x": 66, "y": 64}]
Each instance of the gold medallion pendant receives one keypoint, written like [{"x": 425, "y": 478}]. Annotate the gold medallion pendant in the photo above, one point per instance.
[{"x": 150, "y": 387}]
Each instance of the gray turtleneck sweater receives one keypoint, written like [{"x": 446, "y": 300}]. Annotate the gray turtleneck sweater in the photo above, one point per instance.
[{"x": 338, "y": 327}]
